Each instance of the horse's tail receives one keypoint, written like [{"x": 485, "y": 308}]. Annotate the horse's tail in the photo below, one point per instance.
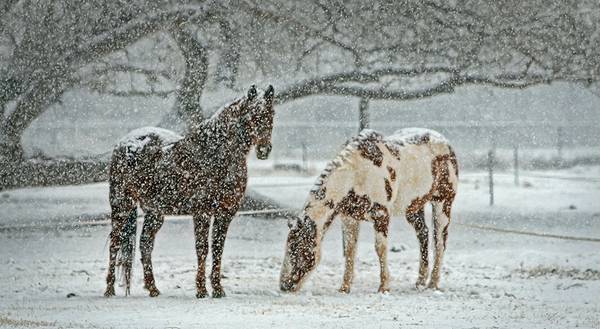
[{"x": 127, "y": 250}]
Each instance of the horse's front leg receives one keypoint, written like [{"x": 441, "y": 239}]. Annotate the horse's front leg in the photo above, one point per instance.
[
  {"x": 201, "y": 228},
  {"x": 381, "y": 220},
  {"x": 153, "y": 221},
  {"x": 350, "y": 229},
  {"x": 219, "y": 233}
]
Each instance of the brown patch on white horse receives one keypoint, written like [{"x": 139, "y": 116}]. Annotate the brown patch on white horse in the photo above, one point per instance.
[
  {"x": 381, "y": 218},
  {"x": 369, "y": 150},
  {"x": 352, "y": 182},
  {"x": 388, "y": 189},
  {"x": 330, "y": 204},
  {"x": 353, "y": 205},
  {"x": 392, "y": 173},
  {"x": 393, "y": 149}
]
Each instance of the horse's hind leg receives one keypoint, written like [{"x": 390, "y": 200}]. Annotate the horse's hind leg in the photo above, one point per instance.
[
  {"x": 152, "y": 223},
  {"x": 350, "y": 229},
  {"x": 441, "y": 220},
  {"x": 219, "y": 233},
  {"x": 119, "y": 215},
  {"x": 128, "y": 235},
  {"x": 417, "y": 220}
]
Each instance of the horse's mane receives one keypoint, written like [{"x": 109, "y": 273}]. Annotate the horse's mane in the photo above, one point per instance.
[
  {"x": 221, "y": 118},
  {"x": 351, "y": 146}
]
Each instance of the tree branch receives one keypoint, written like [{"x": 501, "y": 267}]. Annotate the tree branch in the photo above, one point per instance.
[
  {"x": 123, "y": 68},
  {"x": 134, "y": 93},
  {"x": 298, "y": 26},
  {"x": 122, "y": 37},
  {"x": 330, "y": 85},
  {"x": 315, "y": 86}
]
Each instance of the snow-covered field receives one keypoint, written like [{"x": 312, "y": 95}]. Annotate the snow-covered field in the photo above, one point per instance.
[{"x": 54, "y": 277}]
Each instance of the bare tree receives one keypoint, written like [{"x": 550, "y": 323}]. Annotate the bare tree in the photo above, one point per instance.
[
  {"x": 377, "y": 50},
  {"x": 53, "y": 42}
]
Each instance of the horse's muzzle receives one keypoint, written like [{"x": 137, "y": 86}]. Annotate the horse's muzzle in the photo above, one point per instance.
[
  {"x": 287, "y": 286},
  {"x": 263, "y": 151}
]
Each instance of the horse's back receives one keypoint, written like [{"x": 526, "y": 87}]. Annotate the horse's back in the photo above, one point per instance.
[
  {"x": 142, "y": 141},
  {"x": 135, "y": 157},
  {"x": 417, "y": 136},
  {"x": 138, "y": 138},
  {"x": 420, "y": 140},
  {"x": 419, "y": 150}
]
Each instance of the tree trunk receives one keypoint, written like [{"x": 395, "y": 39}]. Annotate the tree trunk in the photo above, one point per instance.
[
  {"x": 9, "y": 143},
  {"x": 187, "y": 104},
  {"x": 43, "y": 92},
  {"x": 227, "y": 68}
]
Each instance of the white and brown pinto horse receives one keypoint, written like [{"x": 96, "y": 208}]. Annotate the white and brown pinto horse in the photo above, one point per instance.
[
  {"x": 372, "y": 179},
  {"x": 203, "y": 174}
]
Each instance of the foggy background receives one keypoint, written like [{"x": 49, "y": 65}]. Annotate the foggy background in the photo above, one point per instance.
[{"x": 472, "y": 118}]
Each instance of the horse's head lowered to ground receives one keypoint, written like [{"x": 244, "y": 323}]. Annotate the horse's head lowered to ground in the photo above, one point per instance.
[
  {"x": 257, "y": 120},
  {"x": 301, "y": 253}
]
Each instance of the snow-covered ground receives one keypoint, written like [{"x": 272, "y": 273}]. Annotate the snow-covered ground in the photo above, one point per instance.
[{"x": 491, "y": 279}]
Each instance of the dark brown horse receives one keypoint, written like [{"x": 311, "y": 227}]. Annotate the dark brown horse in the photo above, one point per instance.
[{"x": 203, "y": 173}]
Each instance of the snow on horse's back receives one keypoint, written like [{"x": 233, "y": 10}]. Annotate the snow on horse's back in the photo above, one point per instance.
[{"x": 138, "y": 138}]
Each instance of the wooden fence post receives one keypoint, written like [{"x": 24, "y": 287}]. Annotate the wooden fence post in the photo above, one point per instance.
[
  {"x": 516, "y": 163},
  {"x": 491, "y": 175},
  {"x": 363, "y": 114},
  {"x": 304, "y": 158}
]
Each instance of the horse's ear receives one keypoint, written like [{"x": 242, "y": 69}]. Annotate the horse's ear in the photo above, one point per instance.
[
  {"x": 252, "y": 92},
  {"x": 270, "y": 93}
]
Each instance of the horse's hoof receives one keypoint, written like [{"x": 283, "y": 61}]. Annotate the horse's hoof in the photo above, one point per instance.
[
  {"x": 344, "y": 290},
  {"x": 433, "y": 285},
  {"x": 154, "y": 292},
  {"x": 420, "y": 285},
  {"x": 218, "y": 293},
  {"x": 201, "y": 294},
  {"x": 383, "y": 290},
  {"x": 109, "y": 292}
]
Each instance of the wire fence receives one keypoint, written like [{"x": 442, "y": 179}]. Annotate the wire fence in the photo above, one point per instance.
[
  {"x": 490, "y": 136},
  {"x": 322, "y": 139},
  {"x": 282, "y": 213}
]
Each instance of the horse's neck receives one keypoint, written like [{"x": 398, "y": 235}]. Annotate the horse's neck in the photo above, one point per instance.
[
  {"x": 320, "y": 214},
  {"x": 330, "y": 188},
  {"x": 235, "y": 136},
  {"x": 216, "y": 138}
]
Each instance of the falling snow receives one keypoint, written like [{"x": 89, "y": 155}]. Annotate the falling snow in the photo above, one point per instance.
[{"x": 514, "y": 86}]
